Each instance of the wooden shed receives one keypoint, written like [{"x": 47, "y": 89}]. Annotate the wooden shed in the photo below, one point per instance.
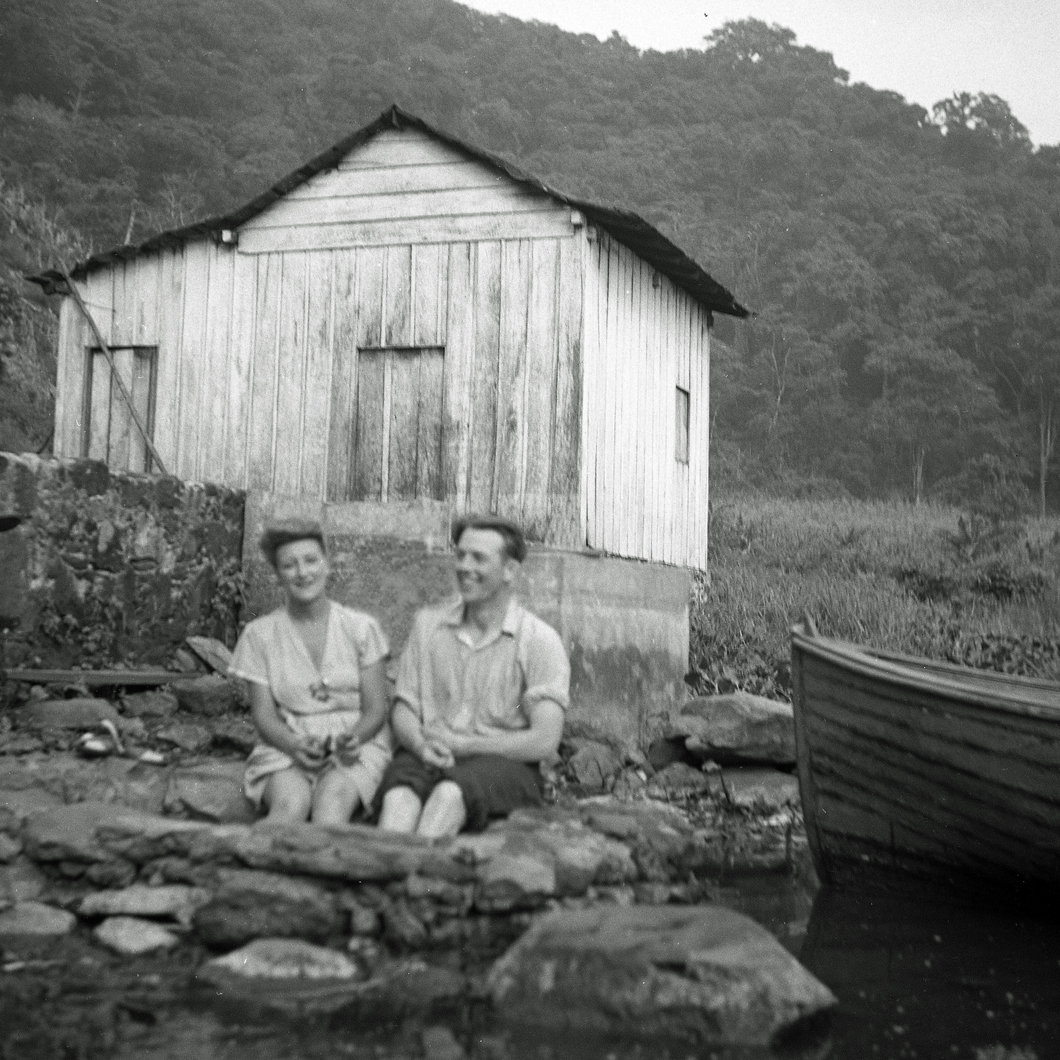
[{"x": 409, "y": 317}]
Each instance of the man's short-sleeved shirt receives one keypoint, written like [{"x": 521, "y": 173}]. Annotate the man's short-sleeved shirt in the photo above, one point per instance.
[{"x": 486, "y": 687}]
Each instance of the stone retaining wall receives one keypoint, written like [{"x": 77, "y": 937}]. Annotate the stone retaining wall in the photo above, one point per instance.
[{"x": 108, "y": 568}]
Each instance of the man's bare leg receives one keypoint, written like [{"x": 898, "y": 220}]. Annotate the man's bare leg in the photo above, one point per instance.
[
  {"x": 444, "y": 813},
  {"x": 401, "y": 810}
]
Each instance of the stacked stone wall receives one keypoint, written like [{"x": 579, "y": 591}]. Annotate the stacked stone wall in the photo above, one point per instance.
[{"x": 108, "y": 568}]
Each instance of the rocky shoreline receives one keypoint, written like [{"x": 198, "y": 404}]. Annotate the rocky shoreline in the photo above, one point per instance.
[{"x": 150, "y": 853}]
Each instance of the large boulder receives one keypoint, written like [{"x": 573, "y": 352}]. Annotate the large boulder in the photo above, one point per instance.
[
  {"x": 737, "y": 729},
  {"x": 702, "y": 973}
]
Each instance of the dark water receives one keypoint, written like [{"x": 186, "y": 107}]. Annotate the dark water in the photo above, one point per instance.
[{"x": 915, "y": 977}]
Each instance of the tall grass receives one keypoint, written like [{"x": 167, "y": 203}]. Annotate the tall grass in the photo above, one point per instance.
[{"x": 926, "y": 580}]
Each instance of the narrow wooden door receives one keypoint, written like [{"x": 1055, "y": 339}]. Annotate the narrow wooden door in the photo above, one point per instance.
[{"x": 398, "y": 434}]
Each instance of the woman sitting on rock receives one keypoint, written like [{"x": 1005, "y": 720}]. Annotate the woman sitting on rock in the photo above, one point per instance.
[{"x": 315, "y": 670}]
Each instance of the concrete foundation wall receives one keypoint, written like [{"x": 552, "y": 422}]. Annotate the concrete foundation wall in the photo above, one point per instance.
[{"x": 624, "y": 623}]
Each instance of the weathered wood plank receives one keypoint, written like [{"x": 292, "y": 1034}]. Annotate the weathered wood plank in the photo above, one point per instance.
[
  {"x": 71, "y": 380},
  {"x": 317, "y": 399},
  {"x": 651, "y": 417},
  {"x": 430, "y": 475},
  {"x": 434, "y": 203},
  {"x": 122, "y": 303},
  {"x": 403, "y": 426},
  {"x": 895, "y": 778},
  {"x": 596, "y": 313},
  {"x": 291, "y": 395},
  {"x": 544, "y": 224},
  {"x": 144, "y": 401},
  {"x": 511, "y": 407},
  {"x": 612, "y": 354},
  {"x": 99, "y": 408},
  {"x": 430, "y": 266},
  {"x": 370, "y": 427},
  {"x": 120, "y": 451},
  {"x": 378, "y": 180},
  {"x": 397, "y": 304},
  {"x": 344, "y": 377},
  {"x": 566, "y": 519},
  {"x": 459, "y": 364},
  {"x": 167, "y": 385},
  {"x": 240, "y": 372},
  {"x": 262, "y": 441},
  {"x": 193, "y": 359},
  {"x": 485, "y": 377},
  {"x": 371, "y": 283},
  {"x": 216, "y": 373},
  {"x": 539, "y": 396}
]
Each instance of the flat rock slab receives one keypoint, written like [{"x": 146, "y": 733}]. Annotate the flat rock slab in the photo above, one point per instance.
[
  {"x": 700, "y": 973},
  {"x": 131, "y": 936},
  {"x": 66, "y": 713},
  {"x": 767, "y": 790},
  {"x": 212, "y": 791},
  {"x": 737, "y": 728},
  {"x": 37, "y": 919},
  {"x": 175, "y": 901}
]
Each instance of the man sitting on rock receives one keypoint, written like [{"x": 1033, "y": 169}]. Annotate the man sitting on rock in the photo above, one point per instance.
[{"x": 481, "y": 692}]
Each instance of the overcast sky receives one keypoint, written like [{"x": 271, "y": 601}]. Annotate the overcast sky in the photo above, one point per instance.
[{"x": 924, "y": 49}]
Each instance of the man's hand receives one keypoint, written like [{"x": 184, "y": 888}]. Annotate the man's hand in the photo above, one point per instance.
[
  {"x": 459, "y": 744},
  {"x": 433, "y": 752}
]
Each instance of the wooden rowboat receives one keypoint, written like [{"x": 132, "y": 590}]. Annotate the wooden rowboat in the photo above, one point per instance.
[{"x": 916, "y": 769}]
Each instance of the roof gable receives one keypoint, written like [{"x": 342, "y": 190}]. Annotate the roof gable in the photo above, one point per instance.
[{"x": 627, "y": 227}]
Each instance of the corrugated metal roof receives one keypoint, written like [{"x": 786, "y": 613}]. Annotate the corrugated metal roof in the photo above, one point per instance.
[{"x": 628, "y": 228}]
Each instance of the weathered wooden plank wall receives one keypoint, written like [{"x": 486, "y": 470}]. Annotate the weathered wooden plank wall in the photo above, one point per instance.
[
  {"x": 643, "y": 338},
  {"x": 258, "y": 347}
]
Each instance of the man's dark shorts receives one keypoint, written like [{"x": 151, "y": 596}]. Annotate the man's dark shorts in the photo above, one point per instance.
[{"x": 492, "y": 786}]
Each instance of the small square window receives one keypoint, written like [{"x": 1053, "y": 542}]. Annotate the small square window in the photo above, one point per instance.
[{"x": 681, "y": 406}]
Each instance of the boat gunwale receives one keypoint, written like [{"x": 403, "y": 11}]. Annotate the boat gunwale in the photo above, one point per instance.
[{"x": 947, "y": 681}]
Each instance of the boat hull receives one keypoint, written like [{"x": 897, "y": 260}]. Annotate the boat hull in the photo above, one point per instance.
[{"x": 917, "y": 770}]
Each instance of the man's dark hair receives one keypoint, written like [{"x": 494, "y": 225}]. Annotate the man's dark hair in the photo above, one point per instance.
[
  {"x": 283, "y": 531},
  {"x": 514, "y": 542}
]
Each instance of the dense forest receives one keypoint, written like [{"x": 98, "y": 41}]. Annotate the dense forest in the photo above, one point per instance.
[{"x": 903, "y": 266}]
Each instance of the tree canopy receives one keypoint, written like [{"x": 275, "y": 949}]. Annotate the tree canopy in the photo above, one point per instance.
[{"x": 902, "y": 265}]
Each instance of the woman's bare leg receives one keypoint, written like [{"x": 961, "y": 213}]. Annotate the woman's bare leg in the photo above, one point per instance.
[
  {"x": 288, "y": 796},
  {"x": 335, "y": 798}
]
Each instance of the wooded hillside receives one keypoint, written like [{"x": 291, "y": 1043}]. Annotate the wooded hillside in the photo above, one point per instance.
[{"x": 904, "y": 266}]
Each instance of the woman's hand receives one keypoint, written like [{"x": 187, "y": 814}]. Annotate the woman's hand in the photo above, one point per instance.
[
  {"x": 348, "y": 749},
  {"x": 309, "y": 753}
]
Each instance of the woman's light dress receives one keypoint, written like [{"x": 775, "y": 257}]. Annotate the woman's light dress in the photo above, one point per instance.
[{"x": 314, "y": 702}]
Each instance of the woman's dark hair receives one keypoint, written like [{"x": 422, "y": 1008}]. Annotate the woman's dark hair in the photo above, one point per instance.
[
  {"x": 283, "y": 531},
  {"x": 514, "y": 542}
]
